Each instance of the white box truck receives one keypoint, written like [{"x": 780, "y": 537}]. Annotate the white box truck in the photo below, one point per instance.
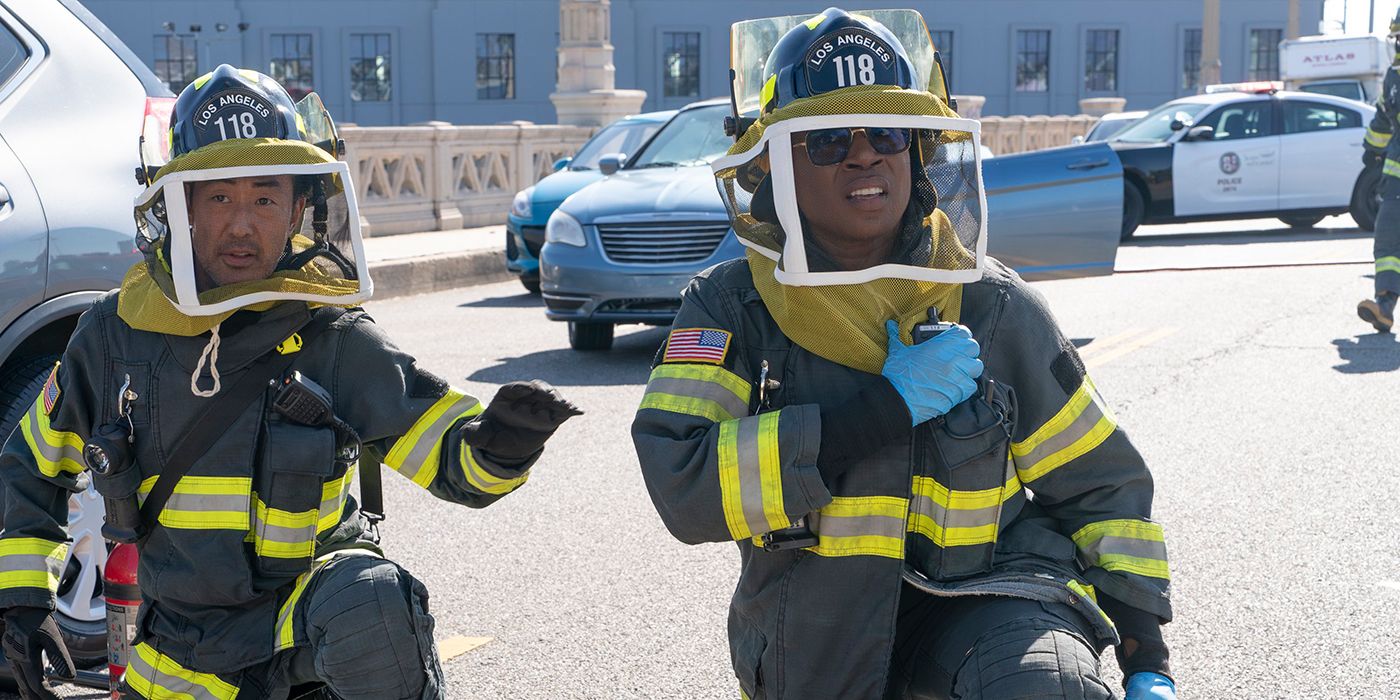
[{"x": 1351, "y": 66}]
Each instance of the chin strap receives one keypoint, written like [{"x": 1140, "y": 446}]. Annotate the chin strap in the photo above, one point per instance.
[{"x": 210, "y": 354}]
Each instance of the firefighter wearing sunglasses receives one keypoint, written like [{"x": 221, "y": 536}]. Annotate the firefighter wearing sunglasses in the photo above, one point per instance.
[{"x": 929, "y": 496}]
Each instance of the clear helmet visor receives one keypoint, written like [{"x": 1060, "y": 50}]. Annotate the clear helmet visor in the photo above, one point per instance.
[
  {"x": 751, "y": 41},
  {"x": 224, "y": 238},
  {"x": 814, "y": 189}
]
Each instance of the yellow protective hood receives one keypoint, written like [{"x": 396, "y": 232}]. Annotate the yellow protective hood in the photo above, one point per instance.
[
  {"x": 143, "y": 301},
  {"x": 845, "y": 323}
]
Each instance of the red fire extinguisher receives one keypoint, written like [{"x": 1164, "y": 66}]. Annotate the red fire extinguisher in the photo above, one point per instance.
[{"x": 123, "y": 601}]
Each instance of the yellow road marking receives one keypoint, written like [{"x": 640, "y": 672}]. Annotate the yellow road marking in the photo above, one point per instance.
[
  {"x": 1099, "y": 346},
  {"x": 1120, "y": 350},
  {"x": 449, "y": 649}
]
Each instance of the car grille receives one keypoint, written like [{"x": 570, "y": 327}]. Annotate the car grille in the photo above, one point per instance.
[
  {"x": 662, "y": 243},
  {"x": 534, "y": 239}
]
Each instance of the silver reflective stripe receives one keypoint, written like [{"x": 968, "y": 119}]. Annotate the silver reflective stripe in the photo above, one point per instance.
[
  {"x": 30, "y": 562},
  {"x": 750, "y": 477},
  {"x": 156, "y": 676},
  {"x": 1078, "y": 428},
  {"x": 857, "y": 526},
  {"x": 976, "y": 517},
  {"x": 735, "y": 405},
  {"x": 206, "y": 503},
  {"x": 426, "y": 439},
  {"x": 1125, "y": 546}
]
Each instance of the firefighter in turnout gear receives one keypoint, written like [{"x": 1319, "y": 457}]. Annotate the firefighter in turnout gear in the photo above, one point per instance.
[
  {"x": 260, "y": 572},
  {"x": 929, "y": 495},
  {"x": 1383, "y": 151}
]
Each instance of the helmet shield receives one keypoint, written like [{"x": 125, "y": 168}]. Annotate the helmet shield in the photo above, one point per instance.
[
  {"x": 212, "y": 252},
  {"x": 941, "y": 236},
  {"x": 752, "y": 43}
]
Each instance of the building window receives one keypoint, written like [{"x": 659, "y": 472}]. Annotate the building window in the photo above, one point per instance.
[
  {"x": 495, "y": 66},
  {"x": 370, "y": 79},
  {"x": 1191, "y": 61},
  {"x": 291, "y": 63},
  {"x": 1032, "y": 60},
  {"x": 1101, "y": 60},
  {"x": 175, "y": 62},
  {"x": 681, "y": 64},
  {"x": 1263, "y": 53},
  {"x": 943, "y": 43}
]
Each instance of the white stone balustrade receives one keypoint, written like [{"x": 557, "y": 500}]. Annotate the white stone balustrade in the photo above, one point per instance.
[{"x": 439, "y": 176}]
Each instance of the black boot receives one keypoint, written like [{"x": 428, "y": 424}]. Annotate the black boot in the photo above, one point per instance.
[{"x": 1380, "y": 313}]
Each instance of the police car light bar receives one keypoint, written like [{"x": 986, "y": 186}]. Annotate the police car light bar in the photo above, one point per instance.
[{"x": 1256, "y": 87}]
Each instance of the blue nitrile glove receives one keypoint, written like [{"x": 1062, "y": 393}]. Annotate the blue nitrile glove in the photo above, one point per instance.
[
  {"x": 935, "y": 375},
  {"x": 1150, "y": 686}
]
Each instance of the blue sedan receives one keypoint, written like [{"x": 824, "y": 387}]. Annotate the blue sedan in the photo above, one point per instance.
[
  {"x": 621, "y": 251},
  {"x": 533, "y": 205}
]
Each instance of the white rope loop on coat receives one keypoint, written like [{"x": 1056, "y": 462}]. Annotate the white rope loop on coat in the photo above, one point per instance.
[{"x": 211, "y": 354}]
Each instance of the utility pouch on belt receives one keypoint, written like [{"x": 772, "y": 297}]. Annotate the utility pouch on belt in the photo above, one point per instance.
[{"x": 211, "y": 423}]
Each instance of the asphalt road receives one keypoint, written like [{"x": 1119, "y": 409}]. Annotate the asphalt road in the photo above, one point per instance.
[{"x": 1263, "y": 405}]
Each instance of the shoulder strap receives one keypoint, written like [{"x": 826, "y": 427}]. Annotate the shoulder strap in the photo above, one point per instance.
[{"x": 215, "y": 417}]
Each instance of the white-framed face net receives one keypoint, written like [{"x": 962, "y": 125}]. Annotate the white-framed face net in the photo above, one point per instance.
[
  {"x": 235, "y": 236},
  {"x": 940, "y": 236}
]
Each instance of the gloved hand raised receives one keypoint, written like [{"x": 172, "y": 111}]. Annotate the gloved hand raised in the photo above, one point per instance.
[
  {"x": 29, "y": 633},
  {"x": 519, "y": 420},
  {"x": 1150, "y": 686},
  {"x": 935, "y": 375},
  {"x": 1371, "y": 158}
]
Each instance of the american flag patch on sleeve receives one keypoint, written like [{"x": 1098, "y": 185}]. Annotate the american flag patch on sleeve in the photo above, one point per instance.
[
  {"x": 50, "y": 393},
  {"x": 708, "y": 345}
]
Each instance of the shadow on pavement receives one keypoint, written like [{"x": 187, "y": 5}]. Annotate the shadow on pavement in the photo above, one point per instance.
[
  {"x": 629, "y": 362},
  {"x": 1365, "y": 354},
  {"x": 522, "y": 300},
  {"x": 1246, "y": 237}
]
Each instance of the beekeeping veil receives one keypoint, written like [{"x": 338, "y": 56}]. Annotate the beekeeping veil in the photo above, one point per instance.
[{"x": 875, "y": 70}]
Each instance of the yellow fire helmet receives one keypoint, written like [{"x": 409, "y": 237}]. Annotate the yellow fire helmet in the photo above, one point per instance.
[{"x": 233, "y": 127}]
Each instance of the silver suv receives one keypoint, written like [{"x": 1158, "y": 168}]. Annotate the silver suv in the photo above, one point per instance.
[{"x": 73, "y": 100}]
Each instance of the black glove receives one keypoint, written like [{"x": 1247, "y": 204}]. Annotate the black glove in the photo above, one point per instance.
[
  {"x": 519, "y": 420},
  {"x": 29, "y": 634},
  {"x": 1370, "y": 158}
]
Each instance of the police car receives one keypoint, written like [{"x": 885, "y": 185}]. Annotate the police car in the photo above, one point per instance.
[{"x": 1242, "y": 151}]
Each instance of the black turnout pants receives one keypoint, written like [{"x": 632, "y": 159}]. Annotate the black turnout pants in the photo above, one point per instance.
[{"x": 992, "y": 648}]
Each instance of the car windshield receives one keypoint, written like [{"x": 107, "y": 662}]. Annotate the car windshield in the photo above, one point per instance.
[
  {"x": 618, "y": 137},
  {"x": 693, "y": 137},
  {"x": 1105, "y": 129},
  {"x": 1157, "y": 125}
]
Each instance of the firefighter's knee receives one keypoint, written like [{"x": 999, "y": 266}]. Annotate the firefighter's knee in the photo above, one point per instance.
[
  {"x": 371, "y": 634},
  {"x": 1033, "y": 658}
]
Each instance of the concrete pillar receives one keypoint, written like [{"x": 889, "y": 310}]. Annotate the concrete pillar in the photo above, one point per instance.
[
  {"x": 970, "y": 106},
  {"x": 1210, "y": 44},
  {"x": 1099, "y": 106},
  {"x": 585, "y": 95},
  {"x": 1292, "y": 32}
]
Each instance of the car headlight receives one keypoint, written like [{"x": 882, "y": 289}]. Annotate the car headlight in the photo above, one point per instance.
[
  {"x": 564, "y": 229},
  {"x": 520, "y": 206}
]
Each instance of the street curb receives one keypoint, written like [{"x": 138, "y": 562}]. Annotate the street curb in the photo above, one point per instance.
[{"x": 435, "y": 273}]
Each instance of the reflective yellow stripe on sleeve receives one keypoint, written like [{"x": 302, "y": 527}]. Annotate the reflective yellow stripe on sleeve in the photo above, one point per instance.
[
  {"x": 1389, "y": 263},
  {"x": 155, "y": 676},
  {"x": 1391, "y": 168},
  {"x": 861, "y": 525},
  {"x": 416, "y": 453},
  {"x": 205, "y": 502},
  {"x": 750, "y": 475},
  {"x": 485, "y": 481},
  {"x": 1082, "y": 424},
  {"x": 55, "y": 451},
  {"x": 704, "y": 391},
  {"x": 30, "y": 562},
  {"x": 1377, "y": 139},
  {"x": 1126, "y": 545}
]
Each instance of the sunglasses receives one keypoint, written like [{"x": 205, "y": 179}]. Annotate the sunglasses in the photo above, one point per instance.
[{"x": 831, "y": 146}]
